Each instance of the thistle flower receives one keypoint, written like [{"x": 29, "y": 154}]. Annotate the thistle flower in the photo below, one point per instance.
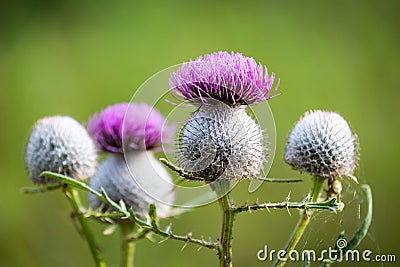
[
  {"x": 145, "y": 182},
  {"x": 220, "y": 141},
  {"x": 144, "y": 128},
  {"x": 135, "y": 176},
  {"x": 60, "y": 144},
  {"x": 322, "y": 144},
  {"x": 228, "y": 77}
]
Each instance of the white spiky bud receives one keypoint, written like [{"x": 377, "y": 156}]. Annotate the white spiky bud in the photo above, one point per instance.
[
  {"x": 220, "y": 141},
  {"x": 144, "y": 182},
  {"x": 60, "y": 144},
  {"x": 322, "y": 144}
]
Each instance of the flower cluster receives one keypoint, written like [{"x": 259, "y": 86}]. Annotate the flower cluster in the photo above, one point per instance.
[{"x": 219, "y": 142}]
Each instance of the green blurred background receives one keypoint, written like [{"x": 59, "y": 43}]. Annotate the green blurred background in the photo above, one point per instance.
[{"x": 75, "y": 58}]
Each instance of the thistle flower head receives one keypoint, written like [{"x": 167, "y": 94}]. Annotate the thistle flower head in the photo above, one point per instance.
[
  {"x": 220, "y": 141},
  {"x": 322, "y": 144},
  {"x": 143, "y": 183},
  {"x": 136, "y": 126},
  {"x": 228, "y": 77},
  {"x": 62, "y": 145}
]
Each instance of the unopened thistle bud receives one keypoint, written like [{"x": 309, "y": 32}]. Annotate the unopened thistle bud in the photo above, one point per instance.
[
  {"x": 60, "y": 144},
  {"x": 134, "y": 176},
  {"x": 220, "y": 140},
  {"x": 322, "y": 144},
  {"x": 145, "y": 182}
]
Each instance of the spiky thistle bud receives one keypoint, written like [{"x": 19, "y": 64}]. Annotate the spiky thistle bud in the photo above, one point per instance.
[
  {"x": 322, "y": 144},
  {"x": 220, "y": 140},
  {"x": 144, "y": 182},
  {"x": 130, "y": 172},
  {"x": 60, "y": 144}
]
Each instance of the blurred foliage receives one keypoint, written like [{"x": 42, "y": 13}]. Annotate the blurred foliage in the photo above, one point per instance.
[{"x": 74, "y": 58}]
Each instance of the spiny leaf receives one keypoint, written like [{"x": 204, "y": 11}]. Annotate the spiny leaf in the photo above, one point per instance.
[
  {"x": 40, "y": 189},
  {"x": 70, "y": 181},
  {"x": 153, "y": 215},
  {"x": 279, "y": 180},
  {"x": 122, "y": 205}
]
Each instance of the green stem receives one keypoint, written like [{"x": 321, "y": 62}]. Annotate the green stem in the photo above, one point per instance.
[
  {"x": 228, "y": 217},
  {"x": 304, "y": 221},
  {"x": 73, "y": 196},
  {"x": 128, "y": 245}
]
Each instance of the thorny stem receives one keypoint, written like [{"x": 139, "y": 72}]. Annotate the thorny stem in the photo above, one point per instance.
[
  {"x": 179, "y": 171},
  {"x": 74, "y": 199},
  {"x": 304, "y": 221},
  {"x": 128, "y": 245},
  {"x": 228, "y": 218},
  {"x": 153, "y": 225},
  {"x": 185, "y": 175},
  {"x": 331, "y": 205}
]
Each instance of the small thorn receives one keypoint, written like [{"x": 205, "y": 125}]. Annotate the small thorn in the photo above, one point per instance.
[
  {"x": 189, "y": 236},
  {"x": 288, "y": 197},
  {"x": 267, "y": 208},
  {"x": 163, "y": 240},
  {"x": 168, "y": 229},
  {"x": 184, "y": 246},
  {"x": 287, "y": 208}
]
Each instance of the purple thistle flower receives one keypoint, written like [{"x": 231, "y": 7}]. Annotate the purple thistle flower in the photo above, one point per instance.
[
  {"x": 135, "y": 125},
  {"x": 231, "y": 78}
]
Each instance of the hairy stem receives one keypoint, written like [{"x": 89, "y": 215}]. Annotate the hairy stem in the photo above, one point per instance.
[
  {"x": 128, "y": 245},
  {"x": 73, "y": 197},
  {"x": 303, "y": 222}
]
